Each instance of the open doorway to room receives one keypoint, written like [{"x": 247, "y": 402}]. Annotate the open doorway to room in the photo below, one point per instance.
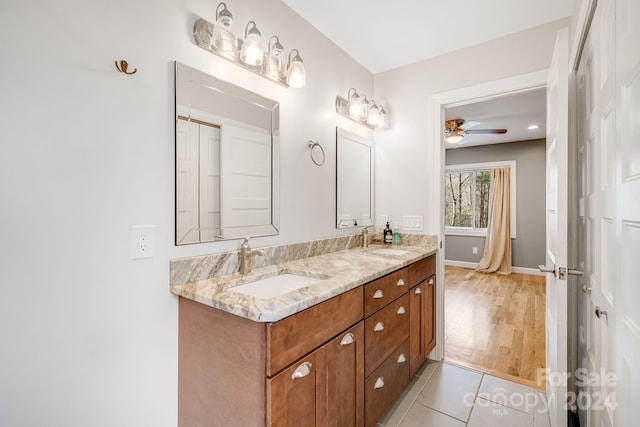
[{"x": 494, "y": 321}]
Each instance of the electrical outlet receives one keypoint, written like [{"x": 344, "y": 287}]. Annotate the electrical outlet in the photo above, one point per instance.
[
  {"x": 142, "y": 241},
  {"x": 474, "y": 250}
]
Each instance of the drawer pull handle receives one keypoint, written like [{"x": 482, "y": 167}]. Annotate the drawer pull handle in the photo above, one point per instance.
[
  {"x": 379, "y": 383},
  {"x": 431, "y": 281},
  {"x": 302, "y": 371},
  {"x": 401, "y": 310},
  {"x": 400, "y": 282},
  {"x": 402, "y": 358},
  {"x": 418, "y": 291},
  {"x": 379, "y": 327},
  {"x": 347, "y": 339},
  {"x": 378, "y": 294}
]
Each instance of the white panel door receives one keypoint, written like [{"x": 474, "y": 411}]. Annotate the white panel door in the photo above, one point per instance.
[
  {"x": 187, "y": 227},
  {"x": 626, "y": 317},
  {"x": 246, "y": 177},
  {"x": 597, "y": 252},
  {"x": 209, "y": 183},
  {"x": 556, "y": 233}
]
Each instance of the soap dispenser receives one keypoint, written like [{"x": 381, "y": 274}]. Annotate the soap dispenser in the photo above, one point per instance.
[{"x": 387, "y": 234}]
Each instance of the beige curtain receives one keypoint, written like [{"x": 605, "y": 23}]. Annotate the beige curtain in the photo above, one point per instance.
[{"x": 497, "y": 246}]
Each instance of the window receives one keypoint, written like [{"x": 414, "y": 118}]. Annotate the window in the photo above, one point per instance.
[
  {"x": 467, "y": 199},
  {"x": 467, "y": 190}
]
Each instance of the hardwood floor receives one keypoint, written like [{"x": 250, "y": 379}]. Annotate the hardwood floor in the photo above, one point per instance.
[{"x": 495, "y": 323}]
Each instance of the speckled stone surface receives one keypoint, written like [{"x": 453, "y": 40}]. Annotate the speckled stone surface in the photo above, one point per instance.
[{"x": 339, "y": 264}]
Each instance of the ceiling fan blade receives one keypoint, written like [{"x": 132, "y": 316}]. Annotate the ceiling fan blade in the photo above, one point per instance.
[
  {"x": 485, "y": 131},
  {"x": 470, "y": 124}
]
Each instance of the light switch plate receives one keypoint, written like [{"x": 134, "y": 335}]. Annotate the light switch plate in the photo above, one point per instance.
[{"x": 413, "y": 223}]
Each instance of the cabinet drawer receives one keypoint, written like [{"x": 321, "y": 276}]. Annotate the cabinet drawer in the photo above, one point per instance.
[
  {"x": 292, "y": 337},
  {"x": 382, "y": 291},
  {"x": 385, "y": 384},
  {"x": 384, "y": 331},
  {"x": 420, "y": 270}
]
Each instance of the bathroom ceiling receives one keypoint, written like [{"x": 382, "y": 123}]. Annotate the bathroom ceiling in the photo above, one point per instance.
[
  {"x": 383, "y": 35},
  {"x": 513, "y": 112}
]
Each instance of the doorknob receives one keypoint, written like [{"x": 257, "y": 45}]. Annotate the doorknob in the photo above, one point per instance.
[
  {"x": 600, "y": 313},
  {"x": 545, "y": 269}
]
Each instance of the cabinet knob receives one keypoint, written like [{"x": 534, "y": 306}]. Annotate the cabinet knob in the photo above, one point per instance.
[
  {"x": 378, "y": 294},
  {"x": 431, "y": 281},
  {"x": 379, "y": 327},
  {"x": 402, "y": 358},
  {"x": 400, "y": 282},
  {"x": 379, "y": 383},
  {"x": 347, "y": 339},
  {"x": 418, "y": 291},
  {"x": 401, "y": 310},
  {"x": 302, "y": 371}
]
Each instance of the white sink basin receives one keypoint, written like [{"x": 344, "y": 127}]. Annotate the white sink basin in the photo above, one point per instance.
[
  {"x": 275, "y": 286},
  {"x": 390, "y": 252}
]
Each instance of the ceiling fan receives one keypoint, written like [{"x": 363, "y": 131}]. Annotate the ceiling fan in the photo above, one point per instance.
[{"x": 454, "y": 130}]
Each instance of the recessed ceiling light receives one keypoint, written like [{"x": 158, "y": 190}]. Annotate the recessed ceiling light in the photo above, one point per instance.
[{"x": 533, "y": 127}]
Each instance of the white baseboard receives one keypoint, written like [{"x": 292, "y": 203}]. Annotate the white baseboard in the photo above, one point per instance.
[
  {"x": 463, "y": 264},
  {"x": 473, "y": 265}
]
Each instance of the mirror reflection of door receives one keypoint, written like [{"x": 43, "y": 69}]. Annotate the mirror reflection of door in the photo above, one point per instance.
[
  {"x": 354, "y": 195},
  {"x": 197, "y": 181}
]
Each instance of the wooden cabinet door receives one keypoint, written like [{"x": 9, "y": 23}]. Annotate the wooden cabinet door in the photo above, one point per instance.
[
  {"x": 430, "y": 318},
  {"x": 422, "y": 336},
  {"x": 417, "y": 320},
  {"x": 345, "y": 373},
  {"x": 297, "y": 396}
]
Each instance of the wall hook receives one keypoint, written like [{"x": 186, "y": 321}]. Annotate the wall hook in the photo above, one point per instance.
[{"x": 123, "y": 67}]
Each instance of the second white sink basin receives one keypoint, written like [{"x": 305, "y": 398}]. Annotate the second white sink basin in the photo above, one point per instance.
[
  {"x": 390, "y": 252},
  {"x": 275, "y": 286}
]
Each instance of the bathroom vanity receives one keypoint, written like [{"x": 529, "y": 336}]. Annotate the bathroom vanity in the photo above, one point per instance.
[{"x": 335, "y": 353}]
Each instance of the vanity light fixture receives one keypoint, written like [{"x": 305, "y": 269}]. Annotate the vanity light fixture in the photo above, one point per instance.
[
  {"x": 249, "y": 54},
  {"x": 252, "y": 53},
  {"x": 223, "y": 37},
  {"x": 296, "y": 75},
  {"x": 359, "y": 109},
  {"x": 275, "y": 63}
]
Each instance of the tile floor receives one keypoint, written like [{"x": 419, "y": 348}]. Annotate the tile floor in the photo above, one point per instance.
[{"x": 446, "y": 395}]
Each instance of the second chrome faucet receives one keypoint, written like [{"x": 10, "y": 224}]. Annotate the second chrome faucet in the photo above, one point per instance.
[{"x": 245, "y": 257}]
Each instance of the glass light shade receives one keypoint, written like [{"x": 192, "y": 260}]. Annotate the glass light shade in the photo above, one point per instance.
[
  {"x": 373, "y": 118},
  {"x": 296, "y": 75},
  {"x": 382, "y": 120},
  {"x": 223, "y": 36},
  {"x": 355, "y": 106},
  {"x": 454, "y": 139},
  {"x": 275, "y": 63},
  {"x": 365, "y": 108},
  {"x": 252, "y": 53}
]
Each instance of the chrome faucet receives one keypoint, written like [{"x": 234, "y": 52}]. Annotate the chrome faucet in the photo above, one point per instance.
[
  {"x": 365, "y": 237},
  {"x": 245, "y": 256}
]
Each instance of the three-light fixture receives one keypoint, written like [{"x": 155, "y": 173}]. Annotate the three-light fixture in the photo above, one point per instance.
[
  {"x": 220, "y": 39},
  {"x": 358, "y": 108}
]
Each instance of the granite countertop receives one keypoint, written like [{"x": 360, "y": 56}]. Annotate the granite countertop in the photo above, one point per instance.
[{"x": 337, "y": 272}]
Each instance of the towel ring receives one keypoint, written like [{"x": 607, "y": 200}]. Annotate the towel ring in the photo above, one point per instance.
[{"x": 315, "y": 158}]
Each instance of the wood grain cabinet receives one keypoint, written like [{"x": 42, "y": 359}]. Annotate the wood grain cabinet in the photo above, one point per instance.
[
  {"x": 423, "y": 311},
  {"x": 340, "y": 363}
]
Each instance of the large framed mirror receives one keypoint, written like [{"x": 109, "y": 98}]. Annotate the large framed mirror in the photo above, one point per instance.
[
  {"x": 354, "y": 180},
  {"x": 227, "y": 160}
]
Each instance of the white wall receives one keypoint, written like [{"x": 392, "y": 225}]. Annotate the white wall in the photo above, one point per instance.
[
  {"x": 89, "y": 336},
  {"x": 404, "y": 165}
]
